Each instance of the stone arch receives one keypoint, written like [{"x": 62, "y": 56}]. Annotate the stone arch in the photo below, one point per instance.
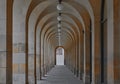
[{"x": 27, "y": 17}]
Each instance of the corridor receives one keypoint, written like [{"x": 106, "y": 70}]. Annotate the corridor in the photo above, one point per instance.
[
  {"x": 60, "y": 74},
  {"x": 81, "y": 35}
]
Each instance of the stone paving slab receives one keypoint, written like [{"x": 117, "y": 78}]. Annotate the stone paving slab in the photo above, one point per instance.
[{"x": 60, "y": 75}]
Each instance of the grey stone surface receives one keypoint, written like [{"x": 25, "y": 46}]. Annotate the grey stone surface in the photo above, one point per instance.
[
  {"x": 19, "y": 79},
  {"x": 110, "y": 42},
  {"x": 19, "y": 58},
  {"x": 2, "y": 75},
  {"x": 60, "y": 75}
]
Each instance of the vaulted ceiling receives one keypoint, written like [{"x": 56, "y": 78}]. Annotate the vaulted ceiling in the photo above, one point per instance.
[{"x": 75, "y": 19}]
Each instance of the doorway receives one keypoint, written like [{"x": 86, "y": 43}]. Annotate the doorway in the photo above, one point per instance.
[{"x": 59, "y": 56}]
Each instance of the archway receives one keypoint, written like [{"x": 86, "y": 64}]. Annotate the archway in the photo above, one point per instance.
[{"x": 59, "y": 56}]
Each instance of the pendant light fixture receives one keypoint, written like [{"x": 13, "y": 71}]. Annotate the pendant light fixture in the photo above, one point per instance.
[
  {"x": 60, "y": 6},
  {"x": 59, "y": 18},
  {"x": 59, "y": 30},
  {"x": 59, "y": 25}
]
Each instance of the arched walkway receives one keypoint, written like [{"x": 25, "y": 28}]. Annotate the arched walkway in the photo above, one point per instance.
[{"x": 87, "y": 30}]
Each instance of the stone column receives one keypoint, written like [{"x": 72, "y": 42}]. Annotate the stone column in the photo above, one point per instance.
[
  {"x": 110, "y": 43},
  {"x": 87, "y": 58},
  {"x": 81, "y": 68},
  {"x": 9, "y": 42},
  {"x": 96, "y": 53},
  {"x": 116, "y": 5}
]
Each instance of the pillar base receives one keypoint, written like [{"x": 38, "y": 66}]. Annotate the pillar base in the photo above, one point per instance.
[
  {"x": 81, "y": 76},
  {"x": 96, "y": 82},
  {"x": 117, "y": 82},
  {"x": 93, "y": 82},
  {"x": 87, "y": 79}
]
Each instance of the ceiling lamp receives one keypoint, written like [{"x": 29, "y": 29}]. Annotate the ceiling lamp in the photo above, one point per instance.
[
  {"x": 59, "y": 33},
  {"x": 59, "y": 7},
  {"x": 59, "y": 18},
  {"x": 59, "y": 30},
  {"x": 59, "y": 25}
]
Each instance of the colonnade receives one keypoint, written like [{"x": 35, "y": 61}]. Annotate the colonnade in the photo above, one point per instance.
[{"x": 90, "y": 36}]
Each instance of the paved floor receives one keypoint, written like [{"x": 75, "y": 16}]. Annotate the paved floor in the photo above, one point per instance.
[{"x": 60, "y": 75}]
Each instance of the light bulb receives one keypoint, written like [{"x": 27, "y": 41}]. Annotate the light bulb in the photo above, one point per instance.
[
  {"x": 59, "y": 25},
  {"x": 59, "y": 7},
  {"x": 59, "y": 18},
  {"x": 59, "y": 33},
  {"x": 59, "y": 30}
]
